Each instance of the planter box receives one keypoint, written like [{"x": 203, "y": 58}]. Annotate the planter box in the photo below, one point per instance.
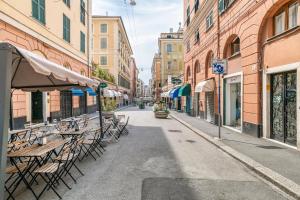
[{"x": 161, "y": 114}]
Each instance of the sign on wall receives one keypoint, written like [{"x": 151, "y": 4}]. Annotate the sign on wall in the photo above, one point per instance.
[{"x": 219, "y": 66}]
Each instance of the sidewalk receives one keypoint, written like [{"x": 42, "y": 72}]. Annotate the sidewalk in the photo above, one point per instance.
[{"x": 279, "y": 158}]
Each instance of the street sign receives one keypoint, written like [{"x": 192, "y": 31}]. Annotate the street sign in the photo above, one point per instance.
[
  {"x": 103, "y": 85},
  {"x": 219, "y": 66}
]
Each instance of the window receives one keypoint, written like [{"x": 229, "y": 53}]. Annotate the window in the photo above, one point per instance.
[
  {"x": 280, "y": 23},
  {"x": 67, "y": 2},
  {"x": 197, "y": 36},
  {"x": 82, "y": 42},
  {"x": 38, "y": 10},
  {"x": 209, "y": 20},
  {"x": 293, "y": 15},
  {"x": 235, "y": 46},
  {"x": 196, "y": 5},
  {"x": 66, "y": 28},
  {"x": 188, "y": 16},
  {"x": 197, "y": 67},
  {"x": 188, "y": 46},
  {"x": 224, "y": 5},
  {"x": 169, "y": 48},
  {"x": 103, "y": 44},
  {"x": 103, "y": 28},
  {"x": 103, "y": 60},
  {"x": 169, "y": 64},
  {"x": 286, "y": 18},
  {"x": 82, "y": 11}
]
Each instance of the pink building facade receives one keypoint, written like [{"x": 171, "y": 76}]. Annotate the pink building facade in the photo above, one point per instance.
[{"x": 261, "y": 42}]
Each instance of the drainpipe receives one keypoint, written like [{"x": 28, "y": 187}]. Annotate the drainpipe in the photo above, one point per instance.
[
  {"x": 88, "y": 38},
  {"x": 219, "y": 84}
]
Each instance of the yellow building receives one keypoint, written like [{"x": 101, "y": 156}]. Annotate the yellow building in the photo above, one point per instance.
[
  {"x": 58, "y": 31},
  {"x": 111, "y": 49},
  {"x": 171, "y": 55}
]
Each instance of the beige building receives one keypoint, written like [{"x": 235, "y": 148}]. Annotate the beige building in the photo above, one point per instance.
[
  {"x": 171, "y": 55},
  {"x": 61, "y": 38},
  {"x": 111, "y": 49}
]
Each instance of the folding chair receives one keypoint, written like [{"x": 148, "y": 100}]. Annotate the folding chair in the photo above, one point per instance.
[
  {"x": 52, "y": 173},
  {"x": 91, "y": 144}
]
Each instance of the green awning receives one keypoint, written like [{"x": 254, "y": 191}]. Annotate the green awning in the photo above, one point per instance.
[{"x": 185, "y": 90}]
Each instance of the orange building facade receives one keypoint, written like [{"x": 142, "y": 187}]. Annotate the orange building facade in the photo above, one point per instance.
[
  {"x": 42, "y": 106},
  {"x": 261, "y": 42}
]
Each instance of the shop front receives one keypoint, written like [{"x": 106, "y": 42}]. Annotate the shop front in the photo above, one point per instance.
[
  {"x": 281, "y": 102},
  {"x": 185, "y": 91},
  {"x": 232, "y": 106},
  {"x": 207, "y": 87}
]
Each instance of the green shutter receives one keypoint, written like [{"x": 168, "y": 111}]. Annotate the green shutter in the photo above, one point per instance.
[
  {"x": 82, "y": 42},
  {"x": 66, "y": 28},
  {"x": 35, "y": 9},
  {"x": 42, "y": 11},
  {"x": 221, "y": 6}
]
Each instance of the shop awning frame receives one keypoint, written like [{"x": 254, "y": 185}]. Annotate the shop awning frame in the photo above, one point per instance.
[
  {"x": 205, "y": 86},
  {"x": 185, "y": 90}
]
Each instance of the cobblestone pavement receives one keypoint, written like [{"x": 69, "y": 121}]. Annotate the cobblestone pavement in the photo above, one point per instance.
[{"x": 159, "y": 160}]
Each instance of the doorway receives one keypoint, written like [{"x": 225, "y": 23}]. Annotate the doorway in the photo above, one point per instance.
[
  {"x": 37, "y": 107},
  {"x": 83, "y": 104},
  {"x": 284, "y": 107},
  {"x": 210, "y": 105},
  {"x": 66, "y": 104},
  {"x": 232, "y": 102}
]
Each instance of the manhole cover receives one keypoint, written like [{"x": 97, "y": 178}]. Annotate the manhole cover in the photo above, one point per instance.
[
  {"x": 175, "y": 131},
  {"x": 191, "y": 141},
  {"x": 269, "y": 147}
]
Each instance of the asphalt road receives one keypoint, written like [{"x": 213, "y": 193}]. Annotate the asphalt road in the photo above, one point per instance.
[{"x": 160, "y": 160}]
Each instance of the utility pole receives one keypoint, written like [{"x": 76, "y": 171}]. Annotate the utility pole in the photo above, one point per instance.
[{"x": 219, "y": 75}]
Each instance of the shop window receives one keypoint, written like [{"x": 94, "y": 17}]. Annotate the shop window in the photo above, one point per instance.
[{"x": 286, "y": 18}]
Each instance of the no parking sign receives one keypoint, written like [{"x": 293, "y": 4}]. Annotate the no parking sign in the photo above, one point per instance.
[{"x": 219, "y": 66}]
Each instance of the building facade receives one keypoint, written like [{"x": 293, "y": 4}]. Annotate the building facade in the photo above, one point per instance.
[
  {"x": 156, "y": 76},
  {"x": 133, "y": 77},
  {"x": 170, "y": 54},
  {"x": 260, "y": 41},
  {"x": 112, "y": 50},
  {"x": 61, "y": 38}
]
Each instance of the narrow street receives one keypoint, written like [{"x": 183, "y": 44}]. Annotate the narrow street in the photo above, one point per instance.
[{"x": 162, "y": 159}]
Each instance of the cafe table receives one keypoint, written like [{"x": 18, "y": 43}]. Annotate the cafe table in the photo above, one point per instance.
[
  {"x": 73, "y": 133},
  {"x": 38, "y": 155}
]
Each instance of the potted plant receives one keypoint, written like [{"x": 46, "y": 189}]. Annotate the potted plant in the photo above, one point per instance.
[{"x": 160, "y": 110}]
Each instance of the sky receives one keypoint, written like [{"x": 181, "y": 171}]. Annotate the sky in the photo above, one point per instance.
[{"x": 144, "y": 23}]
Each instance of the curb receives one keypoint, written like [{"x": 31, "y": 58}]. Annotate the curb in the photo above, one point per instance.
[{"x": 285, "y": 184}]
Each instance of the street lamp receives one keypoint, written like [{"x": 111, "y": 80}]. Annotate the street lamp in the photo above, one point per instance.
[{"x": 132, "y": 2}]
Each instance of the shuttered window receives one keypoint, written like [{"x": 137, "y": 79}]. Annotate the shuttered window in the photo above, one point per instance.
[
  {"x": 82, "y": 11},
  {"x": 66, "y": 28},
  {"x": 38, "y": 10},
  {"x": 82, "y": 42},
  {"x": 67, "y": 2}
]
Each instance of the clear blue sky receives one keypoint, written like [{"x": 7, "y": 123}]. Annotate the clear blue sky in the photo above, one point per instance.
[{"x": 143, "y": 23}]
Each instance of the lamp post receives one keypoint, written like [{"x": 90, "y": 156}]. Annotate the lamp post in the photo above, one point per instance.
[{"x": 100, "y": 86}]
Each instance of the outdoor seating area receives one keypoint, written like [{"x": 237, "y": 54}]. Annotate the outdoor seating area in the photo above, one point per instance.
[{"x": 43, "y": 157}]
